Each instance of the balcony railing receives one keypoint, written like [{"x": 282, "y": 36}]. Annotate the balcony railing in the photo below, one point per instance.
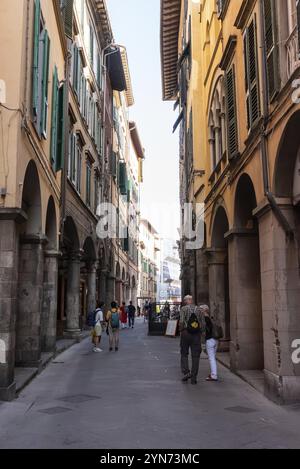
[{"x": 293, "y": 57}]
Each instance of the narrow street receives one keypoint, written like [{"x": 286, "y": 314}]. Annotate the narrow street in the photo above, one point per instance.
[{"x": 134, "y": 399}]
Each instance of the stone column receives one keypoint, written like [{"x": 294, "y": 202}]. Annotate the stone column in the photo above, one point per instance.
[
  {"x": 103, "y": 287},
  {"x": 91, "y": 295},
  {"x": 280, "y": 281},
  {"x": 218, "y": 292},
  {"x": 73, "y": 297},
  {"x": 30, "y": 298},
  {"x": 202, "y": 277},
  {"x": 246, "y": 349},
  {"x": 49, "y": 307},
  {"x": 111, "y": 294},
  {"x": 8, "y": 298}
]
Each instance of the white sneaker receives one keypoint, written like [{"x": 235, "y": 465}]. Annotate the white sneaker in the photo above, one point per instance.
[{"x": 97, "y": 350}]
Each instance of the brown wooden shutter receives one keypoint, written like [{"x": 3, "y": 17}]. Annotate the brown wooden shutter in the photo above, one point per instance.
[
  {"x": 68, "y": 17},
  {"x": 271, "y": 47},
  {"x": 252, "y": 87},
  {"x": 232, "y": 128}
]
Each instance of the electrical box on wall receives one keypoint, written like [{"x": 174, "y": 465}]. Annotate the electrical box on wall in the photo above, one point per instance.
[{"x": 2, "y": 92}]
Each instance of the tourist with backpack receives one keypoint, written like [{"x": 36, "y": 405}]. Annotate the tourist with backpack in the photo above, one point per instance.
[
  {"x": 98, "y": 320},
  {"x": 113, "y": 326},
  {"x": 214, "y": 333},
  {"x": 192, "y": 324}
]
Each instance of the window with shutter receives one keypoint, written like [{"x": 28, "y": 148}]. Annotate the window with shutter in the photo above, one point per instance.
[
  {"x": 88, "y": 183},
  {"x": 78, "y": 163},
  {"x": 54, "y": 119},
  {"x": 252, "y": 82},
  {"x": 68, "y": 18},
  {"x": 270, "y": 22},
  {"x": 122, "y": 178},
  {"x": 232, "y": 127},
  {"x": 36, "y": 39},
  {"x": 44, "y": 91},
  {"x": 61, "y": 123}
]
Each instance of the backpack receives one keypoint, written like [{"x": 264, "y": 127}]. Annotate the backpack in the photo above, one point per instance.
[
  {"x": 91, "y": 319},
  {"x": 217, "y": 331},
  {"x": 115, "y": 320},
  {"x": 193, "y": 325}
]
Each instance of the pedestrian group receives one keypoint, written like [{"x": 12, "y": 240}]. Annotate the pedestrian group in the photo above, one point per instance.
[
  {"x": 110, "y": 322},
  {"x": 194, "y": 322}
]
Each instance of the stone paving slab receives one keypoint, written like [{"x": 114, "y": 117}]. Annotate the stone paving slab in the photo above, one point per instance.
[{"x": 141, "y": 403}]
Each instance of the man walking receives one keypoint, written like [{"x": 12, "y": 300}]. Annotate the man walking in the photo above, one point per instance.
[
  {"x": 131, "y": 315},
  {"x": 113, "y": 324},
  {"x": 192, "y": 324}
]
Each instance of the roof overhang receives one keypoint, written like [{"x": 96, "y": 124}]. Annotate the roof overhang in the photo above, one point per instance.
[
  {"x": 169, "y": 35},
  {"x": 128, "y": 92},
  {"x": 105, "y": 26}
]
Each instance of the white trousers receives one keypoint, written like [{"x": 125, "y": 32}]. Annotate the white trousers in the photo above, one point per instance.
[{"x": 211, "y": 348}]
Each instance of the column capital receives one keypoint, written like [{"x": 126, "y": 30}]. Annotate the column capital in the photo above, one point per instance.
[
  {"x": 240, "y": 233},
  {"x": 52, "y": 253},
  {"x": 265, "y": 206},
  {"x": 16, "y": 214},
  {"x": 34, "y": 239},
  {"x": 216, "y": 256},
  {"x": 92, "y": 267},
  {"x": 76, "y": 255}
]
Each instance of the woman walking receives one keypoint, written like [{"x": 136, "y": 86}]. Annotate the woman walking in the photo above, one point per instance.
[
  {"x": 113, "y": 324},
  {"x": 123, "y": 315},
  {"x": 211, "y": 345}
]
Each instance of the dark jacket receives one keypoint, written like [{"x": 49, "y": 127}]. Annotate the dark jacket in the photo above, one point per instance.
[
  {"x": 131, "y": 310},
  {"x": 208, "y": 331}
]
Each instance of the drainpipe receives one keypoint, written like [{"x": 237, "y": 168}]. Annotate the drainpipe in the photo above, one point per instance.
[
  {"x": 264, "y": 139},
  {"x": 64, "y": 181}
]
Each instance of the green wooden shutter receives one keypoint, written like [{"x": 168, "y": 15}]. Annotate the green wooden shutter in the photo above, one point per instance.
[
  {"x": 113, "y": 163},
  {"x": 61, "y": 123},
  {"x": 232, "y": 128},
  {"x": 122, "y": 178},
  {"x": 68, "y": 18},
  {"x": 271, "y": 47},
  {"x": 76, "y": 68},
  {"x": 36, "y": 37},
  {"x": 54, "y": 119},
  {"x": 44, "y": 96},
  {"x": 252, "y": 86},
  {"x": 126, "y": 241}
]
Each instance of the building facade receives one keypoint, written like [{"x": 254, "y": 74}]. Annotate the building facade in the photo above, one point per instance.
[
  {"x": 31, "y": 108},
  {"x": 236, "y": 66},
  {"x": 149, "y": 263},
  {"x": 58, "y": 102},
  {"x": 169, "y": 286}
]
